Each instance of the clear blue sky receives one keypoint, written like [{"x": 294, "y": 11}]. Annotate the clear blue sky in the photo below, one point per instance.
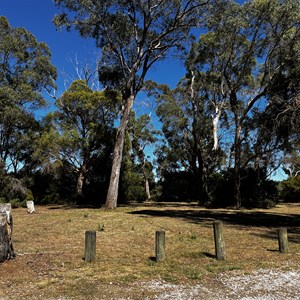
[{"x": 36, "y": 16}]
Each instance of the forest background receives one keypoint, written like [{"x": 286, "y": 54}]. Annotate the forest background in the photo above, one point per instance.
[{"x": 212, "y": 122}]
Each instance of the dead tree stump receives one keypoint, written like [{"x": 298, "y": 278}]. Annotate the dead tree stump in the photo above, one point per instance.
[{"x": 6, "y": 226}]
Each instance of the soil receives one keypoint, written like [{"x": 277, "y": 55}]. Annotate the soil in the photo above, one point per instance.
[{"x": 264, "y": 284}]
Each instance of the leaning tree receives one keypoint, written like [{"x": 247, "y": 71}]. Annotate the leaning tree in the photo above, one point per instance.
[
  {"x": 132, "y": 35},
  {"x": 252, "y": 51}
]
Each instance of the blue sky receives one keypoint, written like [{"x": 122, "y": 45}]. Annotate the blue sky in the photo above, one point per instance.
[{"x": 36, "y": 16}]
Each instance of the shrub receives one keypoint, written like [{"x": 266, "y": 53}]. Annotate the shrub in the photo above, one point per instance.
[{"x": 290, "y": 189}]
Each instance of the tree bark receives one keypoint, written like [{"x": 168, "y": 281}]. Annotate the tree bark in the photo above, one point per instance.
[
  {"x": 6, "y": 225},
  {"x": 147, "y": 188},
  {"x": 215, "y": 123},
  {"x": 113, "y": 189},
  {"x": 80, "y": 180},
  {"x": 237, "y": 168}
]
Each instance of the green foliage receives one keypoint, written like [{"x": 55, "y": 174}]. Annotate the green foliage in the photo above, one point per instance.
[
  {"x": 53, "y": 198},
  {"x": 79, "y": 134},
  {"x": 12, "y": 188},
  {"x": 131, "y": 183},
  {"x": 179, "y": 186},
  {"x": 29, "y": 197},
  {"x": 256, "y": 189},
  {"x": 100, "y": 227},
  {"x": 242, "y": 74},
  {"x": 290, "y": 189},
  {"x": 25, "y": 71},
  {"x": 131, "y": 35}
]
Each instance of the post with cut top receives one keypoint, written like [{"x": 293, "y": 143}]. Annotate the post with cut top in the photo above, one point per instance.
[
  {"x": 160, "y": 244},
  {"x": 6, "y": 227},
  {"x": 219, "y": 240},
  {"x": 283, "y": 240},
  {"x": 90, "y": 246}
]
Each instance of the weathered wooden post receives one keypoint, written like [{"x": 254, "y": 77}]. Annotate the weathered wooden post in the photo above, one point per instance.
[
  {"x": 160, "y": 244},
  {"x": 6, "y": 225},
  {"x": 219, "y": 240},
  {"x": 283, "y": 240},
  {"x": 90, "y": 246}
]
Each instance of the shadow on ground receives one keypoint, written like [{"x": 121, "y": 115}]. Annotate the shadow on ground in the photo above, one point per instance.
[{"x": 240, "y": 218}]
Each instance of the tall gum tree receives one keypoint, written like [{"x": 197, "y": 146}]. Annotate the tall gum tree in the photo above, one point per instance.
[
  {"x": 132, "y": 35},
  {"x": 251, "y": 49},
  {"x": 25, "y": 72}
]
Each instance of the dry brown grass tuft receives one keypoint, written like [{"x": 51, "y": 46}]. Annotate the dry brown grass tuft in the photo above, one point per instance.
[{"x": 50, "y": 246}]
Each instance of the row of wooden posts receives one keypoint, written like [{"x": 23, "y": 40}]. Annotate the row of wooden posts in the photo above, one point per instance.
[{"x": 160, "y": 243}]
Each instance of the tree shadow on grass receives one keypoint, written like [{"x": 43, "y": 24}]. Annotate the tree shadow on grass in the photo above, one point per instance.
[
  {"x": 293, "y": 234},
  {"x": 205, "y": 217}
]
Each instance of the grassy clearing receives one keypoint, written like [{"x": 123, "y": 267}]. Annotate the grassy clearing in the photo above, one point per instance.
[{"x": 50, "y": 246}]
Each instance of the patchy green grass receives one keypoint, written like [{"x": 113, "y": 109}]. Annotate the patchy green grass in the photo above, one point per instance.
[{"x": 50, "y": 247}]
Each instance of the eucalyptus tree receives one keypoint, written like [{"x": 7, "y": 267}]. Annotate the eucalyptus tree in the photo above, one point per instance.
[
  {"x": 25, "y": 72},
  {"x": 185, "y": 114},
  {"x": 250, "y": 49},
  {"x": 81, "y": 128},
  {"x": 142, "y": 135},
  {"x": 133, "y": 36}
]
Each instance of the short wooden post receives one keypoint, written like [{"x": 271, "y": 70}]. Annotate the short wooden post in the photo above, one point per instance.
[
  {"x": 90, "y": 246},
  {"x": 160, "y": 243},
  {"x": 6, "y": 226},
  {"x": 219, "y": 240},
  {"x": 282, "y": 240}
]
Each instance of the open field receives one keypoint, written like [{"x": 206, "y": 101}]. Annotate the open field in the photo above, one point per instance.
[{"x": 50, "y": 245}]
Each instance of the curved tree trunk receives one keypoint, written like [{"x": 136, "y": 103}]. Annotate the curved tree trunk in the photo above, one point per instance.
[
  {"x": 113, "y": 189},
  {"x": 6, "y": 225}
]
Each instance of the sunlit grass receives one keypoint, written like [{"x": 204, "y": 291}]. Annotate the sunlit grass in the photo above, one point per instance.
[{"x": 50, "y": 246}]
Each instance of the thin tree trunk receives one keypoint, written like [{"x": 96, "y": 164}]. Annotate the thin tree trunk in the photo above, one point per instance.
[
  {"x": 215, "y": 122},
  {"x": 113, "y": 189},
  {"x": 147, "y": 188},
  {"x": 237, "y": 168},
  {"x": 79, "y": 185},
  {"x": 80, "y": 180}
]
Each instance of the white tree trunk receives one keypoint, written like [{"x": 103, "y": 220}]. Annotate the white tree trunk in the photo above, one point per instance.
[
  {"x": 216, "y": 119},
  {"x": 147, "y": 189}
]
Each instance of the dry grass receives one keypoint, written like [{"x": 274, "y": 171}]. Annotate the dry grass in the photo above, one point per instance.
[{"x": 50, "y": 246}]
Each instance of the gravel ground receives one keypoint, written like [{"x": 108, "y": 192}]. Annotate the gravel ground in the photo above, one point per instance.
[
  {"x": 259, "y": 285},
  {"x": 272, "y": 284}
]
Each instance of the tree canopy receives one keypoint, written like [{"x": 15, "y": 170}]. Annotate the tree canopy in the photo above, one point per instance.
[
  {"x": 132, "y": 35},
  {"x": 230, "y": 122},
  {"x": 25, "y": 71}
]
